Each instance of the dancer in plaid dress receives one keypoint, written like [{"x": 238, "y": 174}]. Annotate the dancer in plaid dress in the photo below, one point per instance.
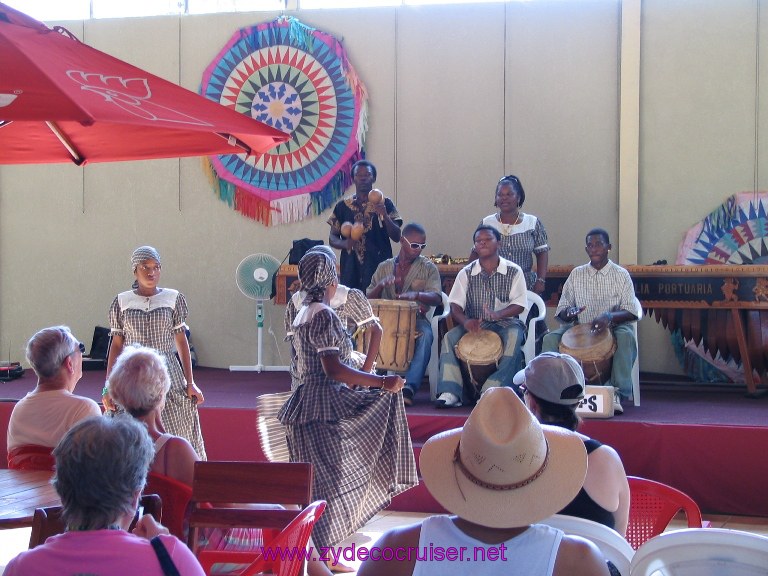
[
  {"x": 357, "y": 440},
  {"x": 156, "y": 318}
]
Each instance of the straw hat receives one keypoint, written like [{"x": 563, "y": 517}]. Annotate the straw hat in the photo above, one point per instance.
[{"x": 504, "y": 469}]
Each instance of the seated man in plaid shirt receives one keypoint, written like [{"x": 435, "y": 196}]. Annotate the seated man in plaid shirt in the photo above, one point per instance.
[
  {"x": 601, "y": 293},
  {"x": 488, "y": 294}
]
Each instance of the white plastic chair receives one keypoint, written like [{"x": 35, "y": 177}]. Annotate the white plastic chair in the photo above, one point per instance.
[
  {"x": 702, "y": 552},
  {"x": 529, "y": 346},
  {"x": 433, "y": 369},
  {"x": 636, "y": 365},
  {"x": 612, "y": 544}
]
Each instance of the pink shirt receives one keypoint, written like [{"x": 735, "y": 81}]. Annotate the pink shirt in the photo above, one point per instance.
[{"x": 101, "y": 553}]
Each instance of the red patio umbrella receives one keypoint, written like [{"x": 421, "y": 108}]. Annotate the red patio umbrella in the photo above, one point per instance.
[{"x": 62, "y": 101}]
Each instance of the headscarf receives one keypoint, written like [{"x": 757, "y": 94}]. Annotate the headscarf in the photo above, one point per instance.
[
  {"x": 143, "y": 253},
  {"x": 316, "y": 272},
  {"x": 324, "y": 249}
]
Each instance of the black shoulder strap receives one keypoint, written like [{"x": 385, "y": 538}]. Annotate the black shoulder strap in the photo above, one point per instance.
[{"x": 166, "y": 563}]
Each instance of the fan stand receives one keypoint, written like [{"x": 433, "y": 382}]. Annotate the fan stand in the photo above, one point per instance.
[{"x": 259, "y": 367}]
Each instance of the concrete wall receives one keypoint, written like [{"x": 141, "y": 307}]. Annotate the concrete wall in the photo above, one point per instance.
[{"x": 459, "y": 96}]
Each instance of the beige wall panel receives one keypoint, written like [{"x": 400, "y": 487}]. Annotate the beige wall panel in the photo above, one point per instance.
[
  {"x": 562, "y": 117},
  {"x": 449, "y": 129},
  {"x": 762, "y": 142},
  {"x": 697, "y": 127},
  {"x": 152, "y": 44},
  {"x": 697, "y": 115}
]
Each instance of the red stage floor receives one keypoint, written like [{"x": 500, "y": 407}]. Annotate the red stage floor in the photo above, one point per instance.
[{"x": 706, "y": 441}]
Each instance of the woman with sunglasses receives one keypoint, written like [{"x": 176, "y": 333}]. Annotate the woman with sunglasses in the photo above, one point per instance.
[
  {"x": 156, "y": 318},
  {"x": 522, "y": 235},
  {"x": 43, "y": 416}
]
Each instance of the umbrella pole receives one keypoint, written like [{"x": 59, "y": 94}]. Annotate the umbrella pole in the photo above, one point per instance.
[{"x": 76, "y": 157}]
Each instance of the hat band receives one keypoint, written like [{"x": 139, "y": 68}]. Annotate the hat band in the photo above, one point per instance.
[{"x": 475, "y": 480}]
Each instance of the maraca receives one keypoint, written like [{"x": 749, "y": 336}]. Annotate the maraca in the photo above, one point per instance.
[
  {"x": 346, "y": 229},
  {"x": 357, "y": 231},
  {"x": 375, "y": 196}
]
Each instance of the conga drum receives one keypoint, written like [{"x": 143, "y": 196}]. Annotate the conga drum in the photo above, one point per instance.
[
  {"x": 478, "y": 354},
  {"x": 398, "y": 322},
  {"x": 593, "y": 350}
]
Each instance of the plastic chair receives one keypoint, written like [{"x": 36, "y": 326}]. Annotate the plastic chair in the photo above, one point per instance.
[
  {"x": 529, "y": 346},
  {"x": 48, "y": 522},
  {"x": 31, "y": 457},
  {"x": 271, "y": 431},
  {"x": 284, "y": 556},
  {"x": 220, "y": 487},
  {"x": 434, "y": 359},
  {"x": 612, "y": 544},
  {"x": 176, "y": 496},
  {"x": 710, "y": 552},
  {"x": 652, "y": 506}
]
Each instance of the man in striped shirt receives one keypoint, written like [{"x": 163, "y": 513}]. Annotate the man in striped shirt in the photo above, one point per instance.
[{"x": 601, "y": 294}]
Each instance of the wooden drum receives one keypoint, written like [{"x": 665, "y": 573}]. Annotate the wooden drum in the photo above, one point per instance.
[
  {"x": 398, "y": 322},
  {"x": 478, "y": 354},
  {"x": 594, "y": 351}
]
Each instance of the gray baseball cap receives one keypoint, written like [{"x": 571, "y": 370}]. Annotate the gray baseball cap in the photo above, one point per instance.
[{"x": 553, "y": 377}]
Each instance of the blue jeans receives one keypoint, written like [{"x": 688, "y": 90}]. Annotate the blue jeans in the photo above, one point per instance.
[
  {"x": 623, "y": 358},
  {"x": 422, "y": 351},
  {"x": 511, "y": 360}
]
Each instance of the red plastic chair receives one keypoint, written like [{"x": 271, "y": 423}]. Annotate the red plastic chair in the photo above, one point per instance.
[
  {"x": 31, "y": 457},
  {"x": 652, "y": 507},
  {"x": 176, "y": 497},
  {"x": 284, "y": 555}
]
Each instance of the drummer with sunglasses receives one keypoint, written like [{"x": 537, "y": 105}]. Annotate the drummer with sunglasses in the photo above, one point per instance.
[
  {"x": 601, "y": 293},
  {"x": 411, "y": 276}
]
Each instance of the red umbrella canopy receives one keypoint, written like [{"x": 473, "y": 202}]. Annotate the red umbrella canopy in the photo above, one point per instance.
[{"x": 62, "y": 101}]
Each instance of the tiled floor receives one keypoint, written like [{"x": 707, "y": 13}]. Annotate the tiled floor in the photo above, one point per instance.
[{"x": 14, "y": 541}]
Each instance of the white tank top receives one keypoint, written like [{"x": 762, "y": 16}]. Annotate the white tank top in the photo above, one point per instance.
[{"x": 532, "y": 553}]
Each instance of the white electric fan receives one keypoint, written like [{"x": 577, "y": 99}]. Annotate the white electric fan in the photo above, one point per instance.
[{"x": 254, "y": 278}]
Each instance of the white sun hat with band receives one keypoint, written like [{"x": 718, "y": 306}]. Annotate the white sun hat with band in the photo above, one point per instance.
[{"x": 503, "y": 469}]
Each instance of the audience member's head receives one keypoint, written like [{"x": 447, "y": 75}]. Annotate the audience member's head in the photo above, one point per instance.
[
  {"x": 48, "y": 349},
  {"x": 556, "y": 383},
  {"x": 503, "y": 469},
  {"x": 139, "y": 380},
  {"x": 101, "y": 469}
]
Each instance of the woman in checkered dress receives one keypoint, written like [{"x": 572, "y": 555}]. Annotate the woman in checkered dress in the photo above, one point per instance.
[
  {"x": 156, "y": 317},
  {"x": 357, "y": 440},
  {"x": 522, "y": 235}
]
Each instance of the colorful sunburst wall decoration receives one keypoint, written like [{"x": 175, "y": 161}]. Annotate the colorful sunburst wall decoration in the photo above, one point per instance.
[
  {"x": 298, "y": 80},
  {"x": 734, "y": 233}
]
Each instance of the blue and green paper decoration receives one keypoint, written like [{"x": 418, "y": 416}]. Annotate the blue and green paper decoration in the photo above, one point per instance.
[{"x": 298, "y": 80}]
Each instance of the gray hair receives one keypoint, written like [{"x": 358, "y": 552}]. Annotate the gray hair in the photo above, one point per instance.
[
  {"x": 101, "y": 463},
  {"x": 139, "y": 380},
  {"x": 48, "y": 348}
]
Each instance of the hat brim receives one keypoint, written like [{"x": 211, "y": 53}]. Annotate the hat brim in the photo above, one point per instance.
[{"x": 552, "y": 491}]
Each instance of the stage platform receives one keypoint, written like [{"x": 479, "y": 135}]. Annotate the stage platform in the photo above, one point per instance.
[{"x": 708, "y": 441}]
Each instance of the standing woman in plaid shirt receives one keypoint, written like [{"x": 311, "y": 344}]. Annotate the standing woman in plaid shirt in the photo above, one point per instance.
[
  {"x": 523, "y": 236},
  {"x": 156, "y": 318},
  {"x": 357, "y": 440}
]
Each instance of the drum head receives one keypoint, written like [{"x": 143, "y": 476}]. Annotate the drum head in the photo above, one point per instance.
[
  {"x": 482, "y": 347},
  {"x": 587, "y": 346}
]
